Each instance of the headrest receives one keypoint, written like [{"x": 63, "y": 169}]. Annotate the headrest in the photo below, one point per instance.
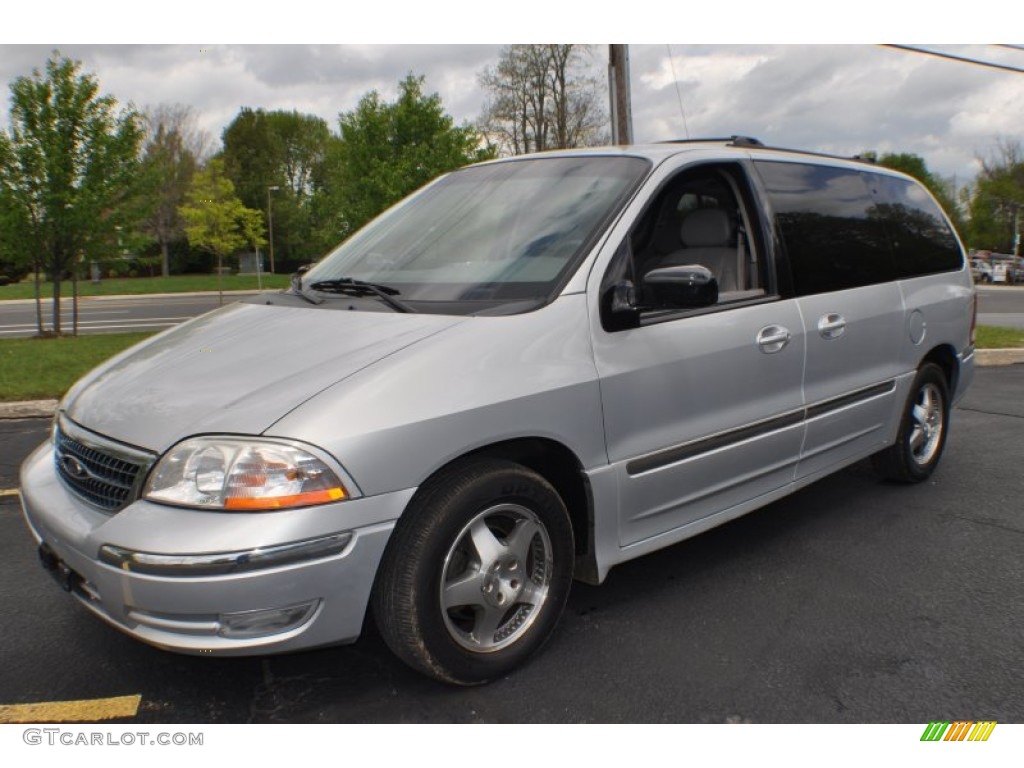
[{"x": 706, "y": 227}]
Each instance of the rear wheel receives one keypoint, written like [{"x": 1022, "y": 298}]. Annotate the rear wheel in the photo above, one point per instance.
[
  {"x": 476, "y": 573},
  {"x": 922, "y": 436}
]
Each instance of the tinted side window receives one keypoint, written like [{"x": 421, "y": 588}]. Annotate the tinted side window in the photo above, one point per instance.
[
  {"x": 829, "y": 225},
  {"x": 922, "y": 240}
]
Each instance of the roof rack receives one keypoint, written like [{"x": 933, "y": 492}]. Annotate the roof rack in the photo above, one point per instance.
[
  {"x": 735, "y": 141},
  {"x": 867, "y": 158}
]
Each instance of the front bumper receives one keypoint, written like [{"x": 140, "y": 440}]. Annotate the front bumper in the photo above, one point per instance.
[{"x": 164, "y": 574}]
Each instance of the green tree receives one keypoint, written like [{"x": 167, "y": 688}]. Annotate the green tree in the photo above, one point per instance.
[
  {"x": 69, "y": 170},
  {"x": 542, "y": 97},
  {"x": 387, "y": 150},
  {"x": 215, "y": 219},
  {"x": 282, "y": 150},
  {"x": 16, "y": 245},
  {"x": 996, "y": 202}
]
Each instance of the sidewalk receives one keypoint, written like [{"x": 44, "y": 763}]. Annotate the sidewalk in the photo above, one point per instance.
[{"x": 43, "y": 409}]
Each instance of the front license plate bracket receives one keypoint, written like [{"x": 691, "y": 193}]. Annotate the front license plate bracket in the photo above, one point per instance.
[{"x": 66, "y": 578}]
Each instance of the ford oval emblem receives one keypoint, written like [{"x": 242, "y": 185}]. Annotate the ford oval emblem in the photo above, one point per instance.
[{"x": 74, "y": 467}]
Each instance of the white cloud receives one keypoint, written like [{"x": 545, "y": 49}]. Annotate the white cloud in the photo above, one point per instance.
[{"x": 832, "y": 98}]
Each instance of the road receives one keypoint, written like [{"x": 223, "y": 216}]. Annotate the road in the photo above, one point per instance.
[
  {"x": 998, "y": 305},
  {"x": 1001, "y": 305},
  {"x": 113, "y": 314},
  {"x": 851, "y": 601}
]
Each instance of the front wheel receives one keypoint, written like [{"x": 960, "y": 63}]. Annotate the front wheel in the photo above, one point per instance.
[
  {"x": 477, "y": 572},
  {"x": 922, "y": 435}
]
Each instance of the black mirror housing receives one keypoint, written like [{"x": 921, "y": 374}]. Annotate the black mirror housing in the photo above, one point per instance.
[
  {"x": 684, "y": 287},
  {"x": 619, "y": 309}
]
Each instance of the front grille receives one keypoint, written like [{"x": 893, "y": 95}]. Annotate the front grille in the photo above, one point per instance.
[{"x": 101, "y": 474}]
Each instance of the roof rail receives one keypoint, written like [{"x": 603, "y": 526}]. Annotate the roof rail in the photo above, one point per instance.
[
  {"x": 746, "y": 141},
  {"x": 735, "y": 141},
  {"x": 866, "y": 157},
  {"x": 752, "y": 143}
]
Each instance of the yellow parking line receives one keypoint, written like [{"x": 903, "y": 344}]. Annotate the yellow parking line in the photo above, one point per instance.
[
  {"x": 9, "y": 492},
  {"x": 83, "y": 711}
]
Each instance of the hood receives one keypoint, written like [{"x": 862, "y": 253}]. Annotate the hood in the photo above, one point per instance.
[{"x": 236, "y": 370}]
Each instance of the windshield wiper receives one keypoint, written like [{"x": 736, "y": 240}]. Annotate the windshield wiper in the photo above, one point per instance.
[{"x": 350, "y": 285}]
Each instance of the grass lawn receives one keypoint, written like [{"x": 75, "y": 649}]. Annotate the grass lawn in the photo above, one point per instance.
[
  {"x": 32, "y": 369},
  {"x": 993, "y": 337},
  {"x": 121, "y": 286},
  {"x": 39, "y": 369}
]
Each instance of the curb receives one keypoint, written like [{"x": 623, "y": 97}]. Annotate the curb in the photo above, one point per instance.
[
  {"x": 43, "y": 409},
  {"x": 28, "y": 409},
  {"x": 989, "y": 357}
]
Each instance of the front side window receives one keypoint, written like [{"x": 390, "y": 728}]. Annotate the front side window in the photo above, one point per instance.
[
  {"x": 495, "y": 238},
  {"x": 830, "y": 226},
  {"x": 700, "y": 218}
]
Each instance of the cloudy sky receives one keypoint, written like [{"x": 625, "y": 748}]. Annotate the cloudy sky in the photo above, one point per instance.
[{"x": 841, "y": 97}]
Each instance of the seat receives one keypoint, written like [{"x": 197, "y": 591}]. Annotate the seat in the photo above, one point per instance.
[{"x": 708, "y": 238}]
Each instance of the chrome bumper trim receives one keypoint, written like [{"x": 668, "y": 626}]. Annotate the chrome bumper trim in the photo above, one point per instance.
[{"x": 223, "y": 563}]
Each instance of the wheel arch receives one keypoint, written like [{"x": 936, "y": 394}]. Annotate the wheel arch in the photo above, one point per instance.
[
  {"x": 559, "y": 466},
  {"x": 945, "y": 357}
]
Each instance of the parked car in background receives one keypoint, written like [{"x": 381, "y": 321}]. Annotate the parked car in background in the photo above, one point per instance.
[
  {"x": 1015, "y": 271},
  {"x": 998, "y": 271},
  {"x": 981, "y": 271},
  {"x": 1006, "y": 268}
]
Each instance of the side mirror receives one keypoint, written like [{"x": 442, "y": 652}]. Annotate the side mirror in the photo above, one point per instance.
[
  {"x": 685, "y": 287},
  {"x": 296, "y": 278},
  {"x": 619, "y": 309}
]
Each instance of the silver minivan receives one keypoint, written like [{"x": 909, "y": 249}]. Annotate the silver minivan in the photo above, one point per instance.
[{"x": 528, "y": 372}]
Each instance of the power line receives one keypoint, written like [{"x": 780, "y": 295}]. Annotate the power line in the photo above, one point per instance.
[
  {"x": 679, "y": 93},
  {"x": 952, "y": 57}
]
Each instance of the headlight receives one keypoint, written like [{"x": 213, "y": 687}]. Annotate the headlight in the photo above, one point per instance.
[{"x": 241, "y": 474}]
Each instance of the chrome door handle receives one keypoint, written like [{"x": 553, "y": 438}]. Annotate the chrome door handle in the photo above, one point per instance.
[
  {"x": 772, "y": 338},
  {"x": 831, "y": 326}
]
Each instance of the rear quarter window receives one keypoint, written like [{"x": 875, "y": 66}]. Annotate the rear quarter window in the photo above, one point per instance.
[{"x": 922, "y": 239}]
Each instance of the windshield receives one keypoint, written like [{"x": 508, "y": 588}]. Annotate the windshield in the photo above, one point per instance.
[{"x": 487, "y": 239}]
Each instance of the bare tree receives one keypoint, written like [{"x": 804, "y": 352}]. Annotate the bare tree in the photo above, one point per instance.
[
  {"x": 182, "y": 120},
  {"x": 542, "y": 97},
  {"x": 174, "y": 146}
]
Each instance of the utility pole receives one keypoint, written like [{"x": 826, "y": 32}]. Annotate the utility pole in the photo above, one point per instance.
[{"x": 618, "y": 87}]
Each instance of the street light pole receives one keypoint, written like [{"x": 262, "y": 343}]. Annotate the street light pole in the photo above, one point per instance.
[
  {"x": 270, "y": 225},
  {"x": 1016, "y": 230}
]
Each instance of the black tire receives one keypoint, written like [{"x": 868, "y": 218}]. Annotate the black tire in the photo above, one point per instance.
[
  {"x": 923, "y": 429},
  {"x": 477, "y": 572}
]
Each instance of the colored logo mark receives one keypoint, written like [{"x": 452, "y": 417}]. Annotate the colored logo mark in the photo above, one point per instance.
[{"x": 960, "y": 730}]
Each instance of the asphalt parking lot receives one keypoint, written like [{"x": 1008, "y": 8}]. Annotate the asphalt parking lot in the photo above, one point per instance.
[{"x": 851, "y": 601}]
